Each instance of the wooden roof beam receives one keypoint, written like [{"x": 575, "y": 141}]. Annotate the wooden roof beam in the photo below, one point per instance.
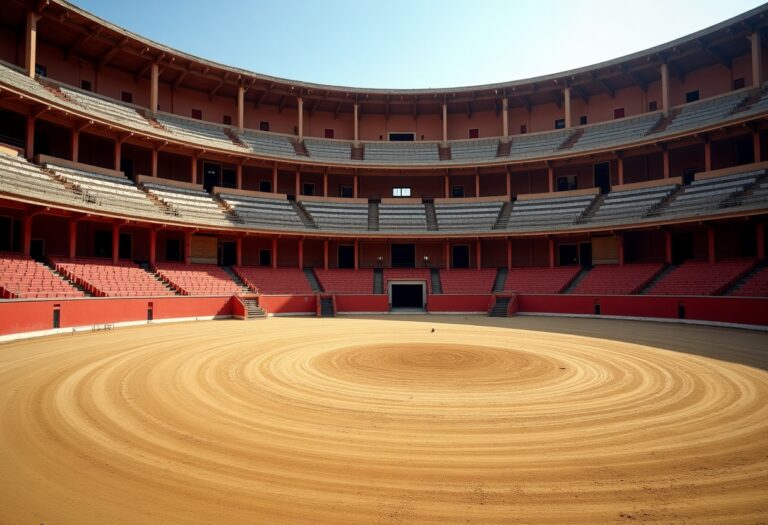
[
  {"x": 720, "y": 57},
  {"x": 109, "y": 55},
  {"x": 261, "y": 96}
]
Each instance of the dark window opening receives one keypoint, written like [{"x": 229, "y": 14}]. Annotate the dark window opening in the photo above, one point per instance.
[
  {"x": 738, "y": 83},
  {"x": 583, "y": 120},
  {"x": 566, "y": 183},
  {"x": 86, "y": 85},
  {"x": 102, "y": 245},
  {"x": 403, "y": 256},
  {"x": 227, "y": 120},
  {"x": 457, "y": 192},
  {"x": 618, "y": 113},
  {"x": 265, "y": 257},
  {"x": 227, "y": 253},
  {"x": 568, "y": 254},
  {"x": 602, "y": 172},
  {"x": 265, "y": 186},
  {"x": 126, "y": 96},
  {"x": 329, "y": 133},
  {"x": 308, "y": 189},
  {"x": 402, "y": 137},
  {"x": 523, "y": 129},
  {"x": 692, "y": 96},
  {"x": 560, "y": 123},
  {"x": 346, "y": 256},
  {"x": 173, "y": 250},
  {"x": 264, "y": 125},
  {"x": 460, "y": 256},
  {"x": 211, "y": 176},
  {"x": 407, "y": 296},
  {"x": 346, "y": 191},
  {"x": 125, "y": 246},
  {"x": 229, "y": 178},
  {"x": 197, "y": 114},
  {"x": 474, "y": 133},
  {"x": 653, "y": 105},
  {"x": 41, "y": 70}
]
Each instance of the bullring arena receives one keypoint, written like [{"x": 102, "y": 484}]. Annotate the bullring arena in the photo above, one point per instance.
[{"x": 227, "y": 297}]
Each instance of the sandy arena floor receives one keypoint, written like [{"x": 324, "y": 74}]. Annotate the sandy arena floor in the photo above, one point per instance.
[{"x": 377, "y": 421}]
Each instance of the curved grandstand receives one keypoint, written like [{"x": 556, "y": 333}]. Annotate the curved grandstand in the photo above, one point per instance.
[{"x": 131, "y": 170}]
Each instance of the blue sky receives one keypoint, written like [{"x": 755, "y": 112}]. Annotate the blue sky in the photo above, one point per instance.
[{"x": 413, "y": 43}]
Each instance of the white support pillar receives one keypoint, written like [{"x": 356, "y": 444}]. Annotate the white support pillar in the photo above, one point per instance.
[
  {"x": 505, "y": 118},
  {"x": 567, "y": 106},
  {"x": 445, "y": 123},
  {"x": 240, "y": 107},
  {"x": 757, "y": 59},
  {"x": 357, "y": 122},
  {"x": 300, "y": 102},
  {"x": 665, "y": 88},
  {"x": 30, "y": 52}
]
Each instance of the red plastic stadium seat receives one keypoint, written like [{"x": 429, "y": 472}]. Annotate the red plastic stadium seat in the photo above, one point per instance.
[
  {"x": 540, "y": 280},
  {"x": 197, "y": 279},
  {"x": 275, "y": 280},
  {"x": 468, "y": 281},
  {"x": 702, "y": 278},
  {"x": 618, "y": 280},
  {"x": 346, "y": 281}
]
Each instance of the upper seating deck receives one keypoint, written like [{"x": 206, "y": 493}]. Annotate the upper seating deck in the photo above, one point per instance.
[
  {"x": 188, "y": 203},
  {"x": 619, "y": 206},
  {"x": 706, "y": 195},
  {"x": 199, "y": 131},
  {"x": 20, "y": 177},
  {"x": 548, "y": 212},
  {"x": 270, "y": 144},
  {"x": 338, "y": 215},
  {"x": 108, "y": 108},
  {"x": 328, "y": 149},
  {"x": 537, "y": 144},
  {"x": 704, "y": 112},
  {"x": 263, "y": 212},
  {"x": 622, "y": 131},
  {"x": 402, "y": 217},
  {"x": 467, "y": 216},
  {"x": 401, "y": 152},
  {"x": 474, "y": 150}
]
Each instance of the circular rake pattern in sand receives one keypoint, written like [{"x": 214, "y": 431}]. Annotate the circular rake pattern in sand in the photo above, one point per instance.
[{"x": 385, "y": 421}]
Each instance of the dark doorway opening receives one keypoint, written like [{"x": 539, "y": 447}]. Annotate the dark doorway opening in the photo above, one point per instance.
[
  {"x": 125, "y": 248},
  {"x": 408, "y": 295},
  {"x": 402, "y": 137},
  {"x": 403, "y": 256},
  {"x": 265, "y": 186},
  {"x": 308, "y": 189},
  {"x": 102, "y": 245},
  {"x": 682, "y": 247},
  {"x": 460, "y": 256},
  {"x": 227, "y": 253},
  {"x": 229, "y": 178},
  {"x": 37, "y": 249},
  {"x": 346, "y": 256},
  {"x": 568, "y": 255},
  {"x": 585, "y": 254},
  {"x": 126, "y": 166},
  {"x": 602, "y": 173},
  {"x": 211, "y": 176},
  {"x": 265, "y": 257},
  {"x": 173, "y": 250}
]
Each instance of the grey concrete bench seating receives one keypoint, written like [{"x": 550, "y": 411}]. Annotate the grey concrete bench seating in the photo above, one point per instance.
[
  {"x": 402, "y": 217},
  {"x": 263, "y": 212},
  {"x": 470, "y": 216},
  {"x": 548, "y": 213},
  {"x": 338, "y": 215}
]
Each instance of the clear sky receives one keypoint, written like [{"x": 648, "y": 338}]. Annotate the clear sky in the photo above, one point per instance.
[{"x": 412, "y": 43}]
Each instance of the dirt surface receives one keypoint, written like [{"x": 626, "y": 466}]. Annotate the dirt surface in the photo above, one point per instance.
[{"x": 383, "y": 421}]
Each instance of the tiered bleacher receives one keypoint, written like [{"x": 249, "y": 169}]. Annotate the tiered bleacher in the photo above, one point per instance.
[
  {"x": 21, "y": 277},
  {"x": 104, "y": 279},
  {"x": 345, "y": 281},
  {"x": 268, "y": 144},
  {"x": 540, "y": 280},
  {"x": 274, "y": 280},
  {"x": 197, "y": 279},
  {"x": 20, "y": 177},
  {"x": 402, "y": 152},
  {"x": 705, "y": 195},
  {"x": 755, "y": 286},
  {"x": 477, "y": 281},
  {"x": 402, "y": 217},
  {"x": 188, "y": 203},
  {"x": 14, "y": 76},
  {"x": 407, "y": 274},
  {"x": 338, "y": 215},
  {"x": 107, "y": 108},
  {"x": 616, "y": 132},
  {"x": 537, "y": 144},
  {"x": 474, "y": 150},
  {"x": 705, "y": 112},
  {"x": 623, "y": 206},
  {"x": 469, "y": 216},
  {"x": 262, "y": 211},
  {"x": 549, "y": 212},
  {"x": 618, "y": 279},
  {"x": 702, "y": 278},
  {"x": 112, "y": 192},
  {"x": 193, "y": 130},
  {"x": 328, "y": 149}
]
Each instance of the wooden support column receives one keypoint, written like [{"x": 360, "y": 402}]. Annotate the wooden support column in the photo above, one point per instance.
[
  {"x": 668, "y": 247},
  {"x": 274, "y": 252},
  {"x": 567, "y": 106},
  {"x": 760, "y": 232},
  {"x": 357, "y": 254},
  {"x": 194, "y": 168},
  {"x": 509, "y": 254},
  {"x": 154, "y": 161},
  {"x": 664, "y": 70},
  {"x": 447, "y": 186},
  {"x": 711, "y": 244},
  {"x": 325, "y": 254},
  {"x": 447, "y": 254},
  {"x": 301, "y": 254},
  {"x": 757, "y": 59},
  {"x": 665, "y": 162},
  {"x": 297, "y": 183},
  {"x": 240, "y": 107},
  {"x": 550, "y": 178},
  {"x": 504, "y": 119},
  {"x": 154, "y": 85},
  {"x": 29, "y": 146},
  {"x": 356, "y": 107},
  {"x": 707, "y": 154},
  {"x": 508, "y": 178},
  {"x": 30, "y": 51},
  {"x": 354, "y": 186},
  {"x": 477, "y": 184},
  {"x": 479, "y": 253},
  {"x": 758, "y": 150},
  {"x": 115, "y": 243},
  {"x": 300, "y": 104},
  {"x": 239, "y": 175},
  {"x": 27, "y": 240},
  {"x": 445, "y": 123},
  {"x": 239, "y": 251},
  {"x": 152, "y": 247},
  {"x": 551, "y": 253},
  {"x": 75, "y": 151},
  {"x": 620, "y": 169},
  {"x": 72, "y": 238},
  {"x": 274, "y": 178},
  {"x": 118, "y": 153},
  {"x": 187, "y": 247},
  {"x": 325, "y": 184}
]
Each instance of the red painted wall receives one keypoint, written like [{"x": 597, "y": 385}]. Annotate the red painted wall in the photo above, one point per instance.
[
  {"x": 459, "y": 303},
  {"x": 284, "y": 304},
  {"x": 362, "y": 303}
]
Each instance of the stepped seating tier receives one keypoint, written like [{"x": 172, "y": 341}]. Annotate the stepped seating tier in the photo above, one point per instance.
[
  {"x": 622, "y": 131},
  {"x": 705, "y": 112},
  {"x": 621, "y": 206},
  {"x": 537, "y": 144},
  {"x": 329, "y": 149},
  {"x": 107, "y": 108},
  {"x": 21, "y": 277},
  {"x": 104, "y": 279},
  {"x": 197, "y": 279},
  {"x": 338, "y": 215},
  {"x": 402, "y": 217},
  {"x": 23, "y": 178},
  {"x": 702, "y": 278},
  {"x": 540, "y": 280},
  {"x": 263, "y": 212},
  {"x": 398, "y": 152},
  {"x": 755, "y": 286},
  {"x": 346, "y": 281},
  {"x": 268, "y": 144},
  {"x": 189, "y": 203},
  {"x": 466, "y": 281},
  {"x": 274, "y": 280},
  {"x": 471, "y": 216},
  {"x": 614, "y": 279},
  {"x": 704, "y": 195},
  {"x": 547, "y": 213},
  {"x": 205, "y": 133},
  {"x": 474, "y": 150}
]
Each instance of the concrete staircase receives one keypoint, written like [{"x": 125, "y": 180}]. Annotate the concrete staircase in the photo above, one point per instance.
[
  {"x": 236, "y": 278},
  {"x": 738, "y": 283},
  {"x": 572, "y": 139},
  {"x": 501, "y": 280},
  {"x": 444, "y": 152},
  {"x": 145, "y": 266},
  {"x": 306, "y": 218},
  {"x": 575, "y": 283},
  {"x": 253, "y": 310},
  {"x": 378, "y": 281},
  {"x": 503, "y": 149},
  {"x": 503, "y": 219},
  {"x": 660, "y": 276},
  {"x": 429, "y": 208},
  {"x": 309, "y": 273},
  {"x": 373, "y": 216},
  {"x": 326, "y": 307},
  {"x": 358, "y": 152},
  {"x": 437, "y": 285},
  {"x": 500, "y": 308}
]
